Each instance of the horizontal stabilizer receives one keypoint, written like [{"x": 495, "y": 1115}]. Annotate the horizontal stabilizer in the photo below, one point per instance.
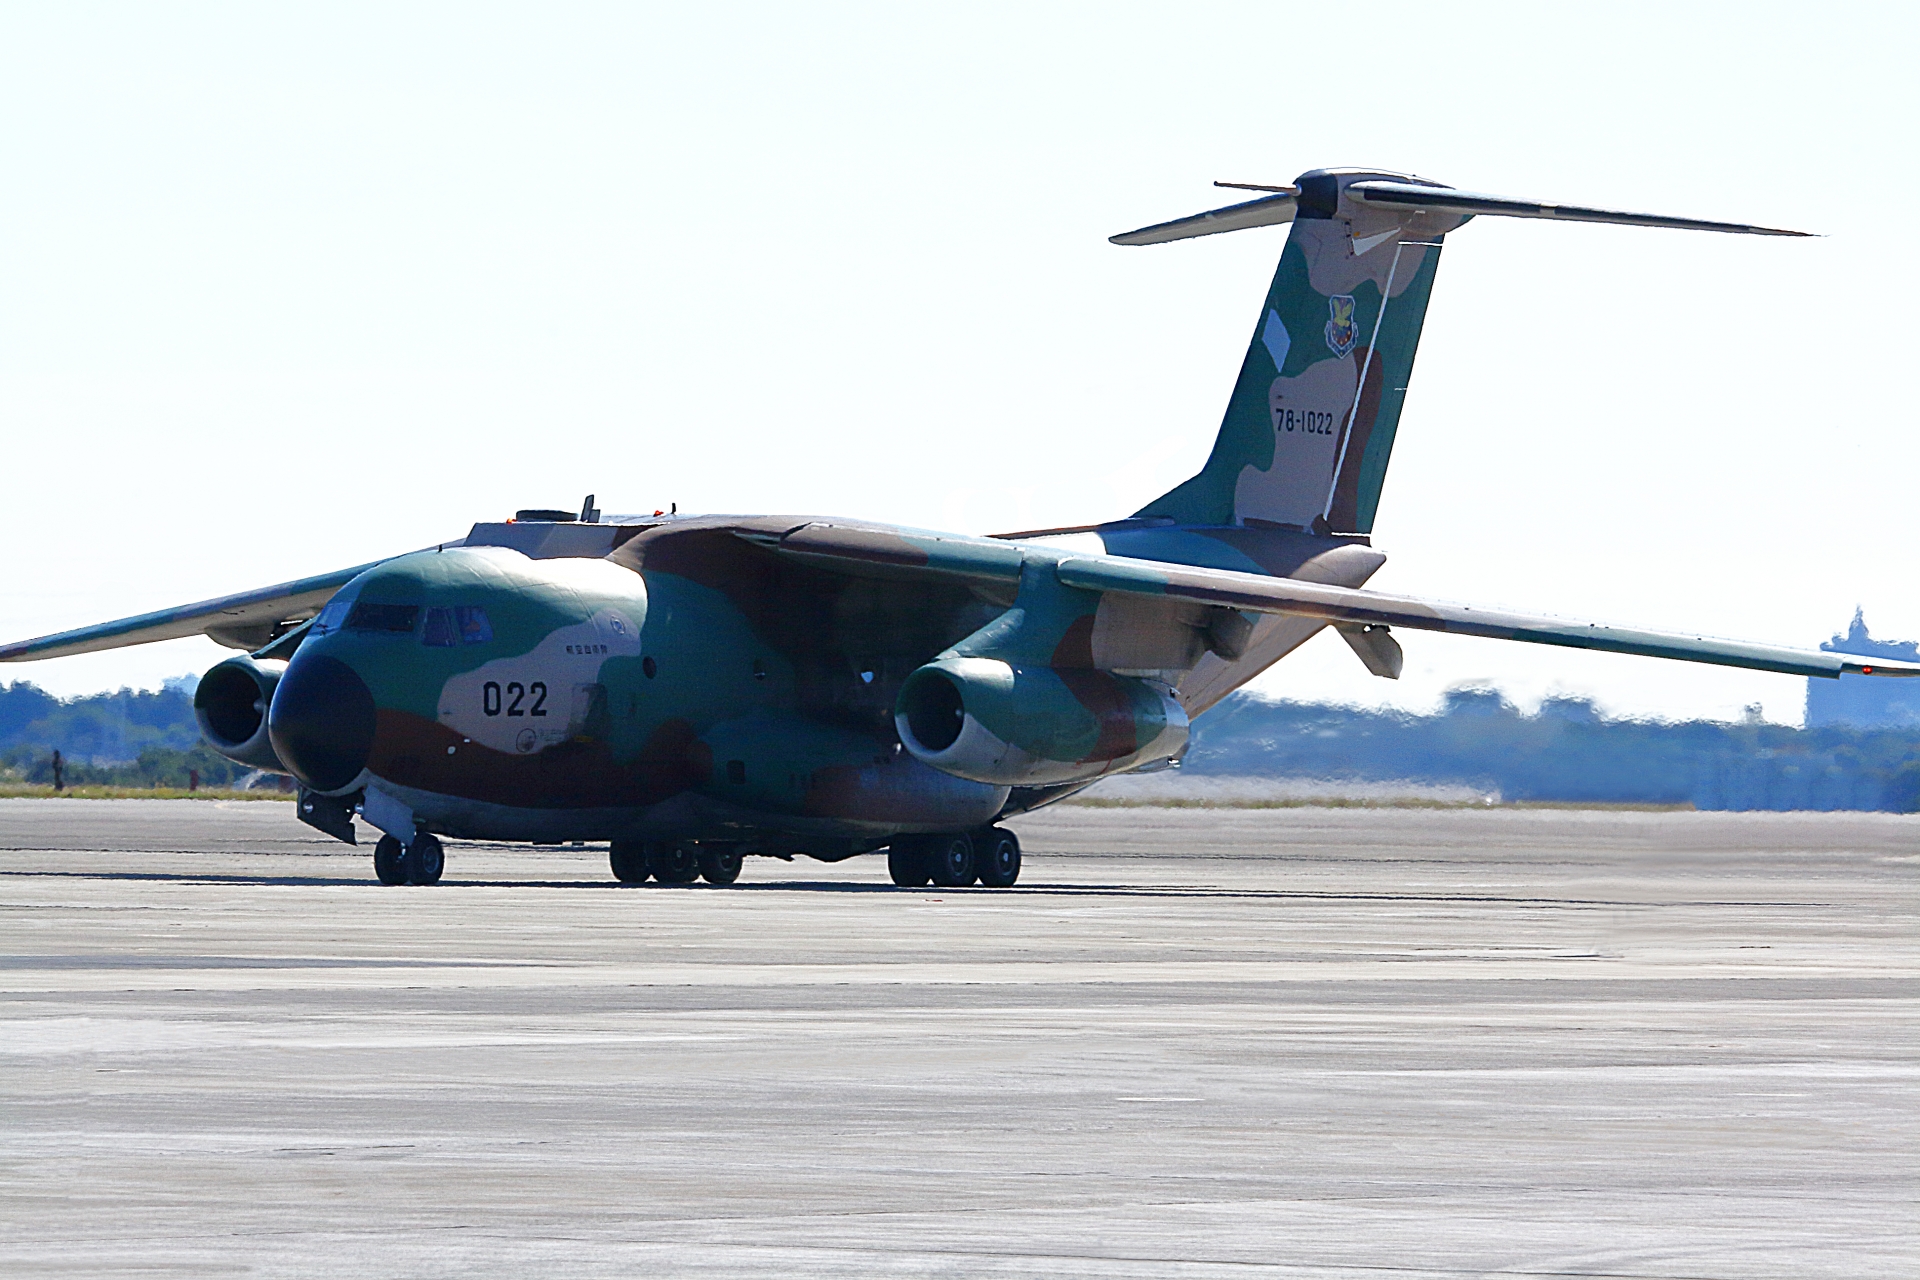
[
  {"x": 1416, "y": 195},
  {"x": 1354, "y": 192},
  {"x": 1267, "y": 211}
]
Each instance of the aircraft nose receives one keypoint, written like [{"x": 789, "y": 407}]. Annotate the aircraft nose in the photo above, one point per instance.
[{"x": 321, "y": 721}]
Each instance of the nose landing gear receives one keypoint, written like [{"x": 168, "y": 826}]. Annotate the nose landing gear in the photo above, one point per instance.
[{"x": 418, "y": 863}]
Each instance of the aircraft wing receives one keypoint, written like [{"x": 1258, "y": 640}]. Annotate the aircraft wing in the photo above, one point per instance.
[
  {"x": 247, "y": 620},
  {"x": 1352, "y": 610},
  {"x": 1342, "y": 605}
]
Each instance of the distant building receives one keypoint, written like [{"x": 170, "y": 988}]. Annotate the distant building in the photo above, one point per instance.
[{"x": 1867, "y": 704}]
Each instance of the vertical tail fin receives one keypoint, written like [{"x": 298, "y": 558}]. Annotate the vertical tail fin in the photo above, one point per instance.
[{"x": 1311, "y": 423}]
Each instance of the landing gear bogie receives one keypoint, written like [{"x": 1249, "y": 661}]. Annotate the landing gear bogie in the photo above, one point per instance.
[
  {"x": 664, "y": 862},
  {"x": 953, "y": 860}
]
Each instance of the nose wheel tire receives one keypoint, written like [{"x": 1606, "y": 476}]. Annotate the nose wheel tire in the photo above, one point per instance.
[
  {"x": 425, "y": 859},
  {"x": 629, "y": 862},
  {"x": 672, "y": 863},
  {"x": 418, "y": 863},
  {"x": 719, "y": 866},
  {"x": 389, "y": 861},
  {"x": 998, "y": 854}
]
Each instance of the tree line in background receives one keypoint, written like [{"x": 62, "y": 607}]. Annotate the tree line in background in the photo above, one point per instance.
[
  {"x": 132, "y": 738},
  {"x": 1566, "y": 751}
]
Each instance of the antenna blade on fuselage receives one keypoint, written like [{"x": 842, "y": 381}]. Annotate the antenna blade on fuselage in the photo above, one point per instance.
[
  {"x": 1265, "y": 212},
  {"x": 1421, "y": 196}
]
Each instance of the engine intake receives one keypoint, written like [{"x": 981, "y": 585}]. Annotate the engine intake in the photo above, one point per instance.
[
  {"x": 992, "y": 721},
  {"x": 231, "y": 706}
]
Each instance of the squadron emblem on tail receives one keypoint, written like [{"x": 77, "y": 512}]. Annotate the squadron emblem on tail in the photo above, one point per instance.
[{"x": 1340, "y": 327}]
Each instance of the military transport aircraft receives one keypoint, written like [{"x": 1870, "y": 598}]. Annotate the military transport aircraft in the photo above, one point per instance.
[{"x": 696, "y": 688}]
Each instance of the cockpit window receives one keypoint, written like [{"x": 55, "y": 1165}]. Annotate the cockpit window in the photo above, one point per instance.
[
  {"x": 474, "y": 627},
  {"x": 459, "y": 624},
  {"x": 390, "y": 618},
  {"x": 439, "y": 632},
  {"x": 329, "y": 617}
]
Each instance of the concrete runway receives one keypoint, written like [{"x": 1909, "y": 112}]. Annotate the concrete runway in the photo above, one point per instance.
[{"x": 1340, "y": 1043}]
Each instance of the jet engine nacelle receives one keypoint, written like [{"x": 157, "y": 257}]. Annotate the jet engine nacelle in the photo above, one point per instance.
[
  {"x": 996, "y": 722},
  {"x": 231, "y": 706}
]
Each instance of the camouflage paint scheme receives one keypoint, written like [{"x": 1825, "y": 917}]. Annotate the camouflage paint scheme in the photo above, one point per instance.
[
  {"x": 1326, "y": 350},
  {"x": 792, "y": 685},
  {"x": 778, "y": 650}
]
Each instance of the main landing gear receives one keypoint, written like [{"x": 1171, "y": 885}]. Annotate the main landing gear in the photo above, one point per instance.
[
  {"x": 955, "y": 859},
  {"x": 637, "y": 861},
  {"x": 418, "y": 863}
]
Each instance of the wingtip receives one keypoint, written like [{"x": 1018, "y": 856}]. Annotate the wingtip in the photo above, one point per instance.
[{"x": 1859, "y": 665}]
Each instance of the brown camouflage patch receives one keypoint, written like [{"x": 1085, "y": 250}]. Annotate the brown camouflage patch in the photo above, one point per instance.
[
  {"x": 581, "y": 774},
  {"x": 1113, "y": 711}
]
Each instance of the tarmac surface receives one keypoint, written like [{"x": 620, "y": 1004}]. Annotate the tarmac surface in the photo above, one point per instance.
[{"x": 1192, "y": 1043}]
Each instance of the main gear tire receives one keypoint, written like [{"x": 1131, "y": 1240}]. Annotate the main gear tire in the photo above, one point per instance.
[
  {"x": 997, "y": 851},
  {"x": 672, "y": 863},
  {"x": 907, "y": 862},
  {"x": 390, "y": 861},
  {"x": 425, "y": 859},
  {"x": 950, "y": 860},
  {"x": 628, "y": 861},
  {"x": 719, "y": 866}
]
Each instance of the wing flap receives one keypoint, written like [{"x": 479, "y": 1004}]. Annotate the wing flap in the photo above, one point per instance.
[{"x": 1343, "y": 605}]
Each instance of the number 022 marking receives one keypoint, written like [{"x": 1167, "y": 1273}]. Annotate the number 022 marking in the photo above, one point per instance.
[{"x": 516, "y": 696}]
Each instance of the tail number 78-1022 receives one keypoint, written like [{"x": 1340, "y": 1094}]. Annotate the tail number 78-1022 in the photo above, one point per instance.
[{"x": 513, "y": 701}]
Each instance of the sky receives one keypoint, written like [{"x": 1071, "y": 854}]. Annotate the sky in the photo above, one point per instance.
[{"x": 286, "y": 288}]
